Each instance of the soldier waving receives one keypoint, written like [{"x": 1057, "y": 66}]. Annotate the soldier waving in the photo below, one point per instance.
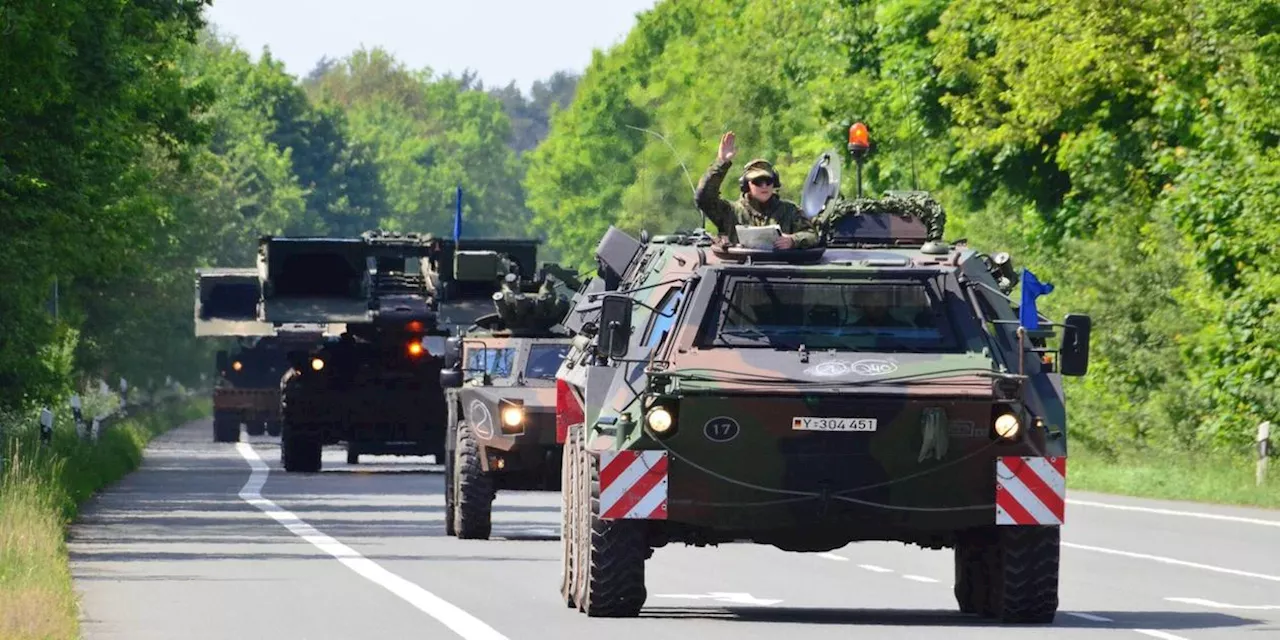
[{"x": 759, "y": 203}]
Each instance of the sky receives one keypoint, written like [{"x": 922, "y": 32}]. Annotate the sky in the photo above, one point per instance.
[{"x": 501, "y": 40}]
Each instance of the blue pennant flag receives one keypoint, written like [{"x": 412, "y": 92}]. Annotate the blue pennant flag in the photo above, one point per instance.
[
  {"x": 1032, "y": 288},
  {"x": 457, "y": 217}
]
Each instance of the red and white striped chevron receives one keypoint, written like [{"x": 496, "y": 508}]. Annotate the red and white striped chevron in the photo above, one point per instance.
[
  {"x": 633, "y": 485},
  {"x": 1031, "y": 490}
]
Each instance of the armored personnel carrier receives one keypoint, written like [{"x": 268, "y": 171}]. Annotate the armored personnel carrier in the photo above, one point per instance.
[
  {"x": 500, "y": 375},
  {"x": 247, "y": 379},
  {"x": 879, "y": 386}
]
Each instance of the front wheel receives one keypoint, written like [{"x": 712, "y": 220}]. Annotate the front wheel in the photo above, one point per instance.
[
  {"x": 226, "y": 427},
  {"x": 472, "y": 489},
  {"x": 300, "y": 454},
  {"x": 610, "y": 553},
  {"x": 1009, "y": 573}
]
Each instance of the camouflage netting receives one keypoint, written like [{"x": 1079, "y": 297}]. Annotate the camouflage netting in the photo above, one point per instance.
[{"x": 917, "y": 205}]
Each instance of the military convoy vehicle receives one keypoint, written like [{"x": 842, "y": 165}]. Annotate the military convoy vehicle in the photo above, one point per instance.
[
  {"x": 879, "y": 386},
  {"x": 500, "y": 375},
  {"x": 375, "y": 387},
  {"x": 247, "y": 380}
]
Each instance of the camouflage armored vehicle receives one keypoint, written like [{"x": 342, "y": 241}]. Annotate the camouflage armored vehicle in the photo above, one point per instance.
[
  {"x": 500, "y": 375},
  {"x": 247, "y": 380},
  {"x": 879, "y": 386}
]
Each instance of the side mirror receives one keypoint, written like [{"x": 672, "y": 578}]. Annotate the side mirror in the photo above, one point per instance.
[
  {"x": 615, "y": 326},
  {"x": 450, "y": 379},
  {"x": 1073, "y": 359},
  {"x": 224, "y": 362},
  {"x": 452, "y": 352}
]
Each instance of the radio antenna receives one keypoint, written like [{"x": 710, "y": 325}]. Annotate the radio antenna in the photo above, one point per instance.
[
  {"x": 693, "y": 191},
  {"x": 911, "y": 137}
]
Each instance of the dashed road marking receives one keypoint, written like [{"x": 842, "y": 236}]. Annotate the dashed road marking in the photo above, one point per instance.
[
  {"x": 872, "y": 567},
  {"x": 1220, "y": 605},
  {"x": 461, "y": 622},
  {"x": 1088, "y": 616},
  {"x": 1174, "y": 512},
  {"x": 1163, "y": 635},
  {"x": 919, "y": 578},
  {"x": 1173, "y": 561},
  {"x": 832, "y": 556}
]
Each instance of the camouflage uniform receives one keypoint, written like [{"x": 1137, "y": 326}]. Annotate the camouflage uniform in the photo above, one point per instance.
[{"x": 745, "y": 211}]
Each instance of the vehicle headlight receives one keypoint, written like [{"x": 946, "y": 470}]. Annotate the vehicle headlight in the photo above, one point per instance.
[
  {"x": 512, "y": 416},
  {"x": 236, "y": 365},
  {"x": 659, "y": 420},
  {"x": 317, "y": 364},
  {"x": 1007, "y": 426}
]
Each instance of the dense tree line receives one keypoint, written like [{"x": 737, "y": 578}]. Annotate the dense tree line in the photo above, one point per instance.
[
  {"x": 136, "y": 145},
  {"x": 1125, "y": 151}
]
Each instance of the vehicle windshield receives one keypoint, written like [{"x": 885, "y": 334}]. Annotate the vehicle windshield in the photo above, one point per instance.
[
  {"x": 902, "y": 315},
  {"x": 495, "y": 362},
  {"x": 544, "y": 360}
]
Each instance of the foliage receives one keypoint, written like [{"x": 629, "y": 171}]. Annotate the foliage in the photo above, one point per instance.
[
  {"x": 1125, "y": 151},
  {"x": 428, "y": 135}
]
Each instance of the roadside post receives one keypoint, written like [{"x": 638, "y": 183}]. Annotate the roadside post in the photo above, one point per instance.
[
  {"x": 1264, "y": 451},
  {"x": 79, "y": 417},
  {"x": 46, "y": 426}
]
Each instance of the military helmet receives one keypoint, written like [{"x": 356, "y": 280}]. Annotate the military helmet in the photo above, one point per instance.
[{"x": 756, "y": 168}]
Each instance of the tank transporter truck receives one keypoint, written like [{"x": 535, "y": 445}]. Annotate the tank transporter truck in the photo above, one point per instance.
[
  {"x": 247, "y": 377},
  {"x": 500, "y": 380},
  {"x": 880, "y": 386}
]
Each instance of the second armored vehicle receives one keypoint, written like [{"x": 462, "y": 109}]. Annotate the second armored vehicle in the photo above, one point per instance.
[
  {"x": 501, "y": 378},
  {"x": 880, "y": 386}
]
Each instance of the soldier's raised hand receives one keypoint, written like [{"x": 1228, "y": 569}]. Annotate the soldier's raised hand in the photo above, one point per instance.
[{"x": 727, "y": 150}]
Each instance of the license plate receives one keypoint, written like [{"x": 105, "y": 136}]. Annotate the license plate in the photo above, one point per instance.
[{"x": 833, "y": 424}]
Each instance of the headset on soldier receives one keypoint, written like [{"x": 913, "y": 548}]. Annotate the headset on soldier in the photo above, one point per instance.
[{"x": 762, "y": 164}]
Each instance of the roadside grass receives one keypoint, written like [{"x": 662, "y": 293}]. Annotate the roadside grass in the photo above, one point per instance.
[
  {"x": 41, "y": 491},
  {"x": 1199, "y": 477}
]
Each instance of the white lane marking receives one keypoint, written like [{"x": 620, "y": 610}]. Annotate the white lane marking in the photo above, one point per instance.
[
  {"x": 919, "y": 578},
  {"x": 1172, "y": 561},
  {"x": 1222, "y": 605},
  {"x": 872, "y": 567},
  {"x": 721, "y": 596},
  {"x": 1172, "y": 512},
  {"x": 1163, "y": 635},
  {"x": 1088, "y": 616},
  {"x": 461, "y": 622},
  {"x": 832, "y": 556}
]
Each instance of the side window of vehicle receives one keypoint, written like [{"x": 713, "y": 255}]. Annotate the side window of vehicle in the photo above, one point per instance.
[{"x": 665, "y": 318}]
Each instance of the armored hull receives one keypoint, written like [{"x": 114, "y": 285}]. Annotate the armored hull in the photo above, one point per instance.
[{"x": 879, "y": 388}]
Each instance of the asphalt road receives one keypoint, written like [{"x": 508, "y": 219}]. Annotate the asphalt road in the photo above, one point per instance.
[{"x": 215, "y": 541}]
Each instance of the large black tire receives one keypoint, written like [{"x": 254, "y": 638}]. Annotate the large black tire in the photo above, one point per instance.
[
  {"x": 300, "y": 454},
  {"x": 255, "y": 427},
  {"x": 1026, "y": 588},
  {"x": 568, "y": 520},
  {"x": 472, "y": 489},
  {"x": 226, "y": 427},
  {"x": 273, "y": 428},
  {"x": 977, "y": 560},
  {"x": 353, "y": 456},
  {"x": 450, "y": 527},
  {"x": 611, "y": 553}
]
